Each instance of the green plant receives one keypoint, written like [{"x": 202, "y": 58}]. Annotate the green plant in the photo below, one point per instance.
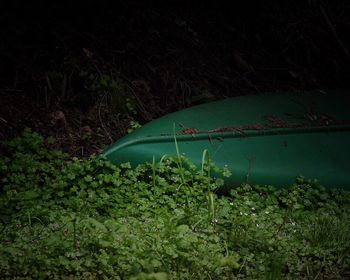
[
  {"x": 133, "y": 126},
  {"x": 88, "y": 219},
  {"x": 114, "y": 100}
]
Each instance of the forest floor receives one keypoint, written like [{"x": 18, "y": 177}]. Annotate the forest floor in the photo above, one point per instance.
[{"x": 88, "y": 74}]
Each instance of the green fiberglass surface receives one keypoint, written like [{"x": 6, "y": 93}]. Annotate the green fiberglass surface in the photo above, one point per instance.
[{"x": 263, "y": 139}]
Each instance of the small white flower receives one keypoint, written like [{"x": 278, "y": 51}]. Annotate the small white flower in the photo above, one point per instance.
[
  {"x": 267, "y": 212},
  {"x": 253, "y": 208},
  {"x": 231, "y": 203},
  {"x": 253, "y": 214}
]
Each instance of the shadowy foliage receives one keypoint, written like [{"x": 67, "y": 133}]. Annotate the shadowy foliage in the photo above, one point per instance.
[{"x": 87, "y": 72}]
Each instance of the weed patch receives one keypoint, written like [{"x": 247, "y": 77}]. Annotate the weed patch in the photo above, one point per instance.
[{"x": 88, "y": 219}]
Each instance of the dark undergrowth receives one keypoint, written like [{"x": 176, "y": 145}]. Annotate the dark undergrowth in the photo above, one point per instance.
[{"x": 86, "y": 73}]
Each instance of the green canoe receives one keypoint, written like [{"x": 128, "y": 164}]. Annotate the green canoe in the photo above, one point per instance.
[{"x": 265, "y": 139}]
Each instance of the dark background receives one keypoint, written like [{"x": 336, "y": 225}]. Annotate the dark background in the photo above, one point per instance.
[{"x": 84, "y": 71}]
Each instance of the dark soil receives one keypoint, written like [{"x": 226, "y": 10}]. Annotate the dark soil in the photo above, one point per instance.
[{"x": 70, "y": 69}]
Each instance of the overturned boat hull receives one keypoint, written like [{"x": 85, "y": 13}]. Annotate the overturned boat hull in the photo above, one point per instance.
[{"x": 266, "y": 139}]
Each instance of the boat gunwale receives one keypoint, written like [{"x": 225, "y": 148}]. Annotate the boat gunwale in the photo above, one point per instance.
[{"x": 221, "y": 136}]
